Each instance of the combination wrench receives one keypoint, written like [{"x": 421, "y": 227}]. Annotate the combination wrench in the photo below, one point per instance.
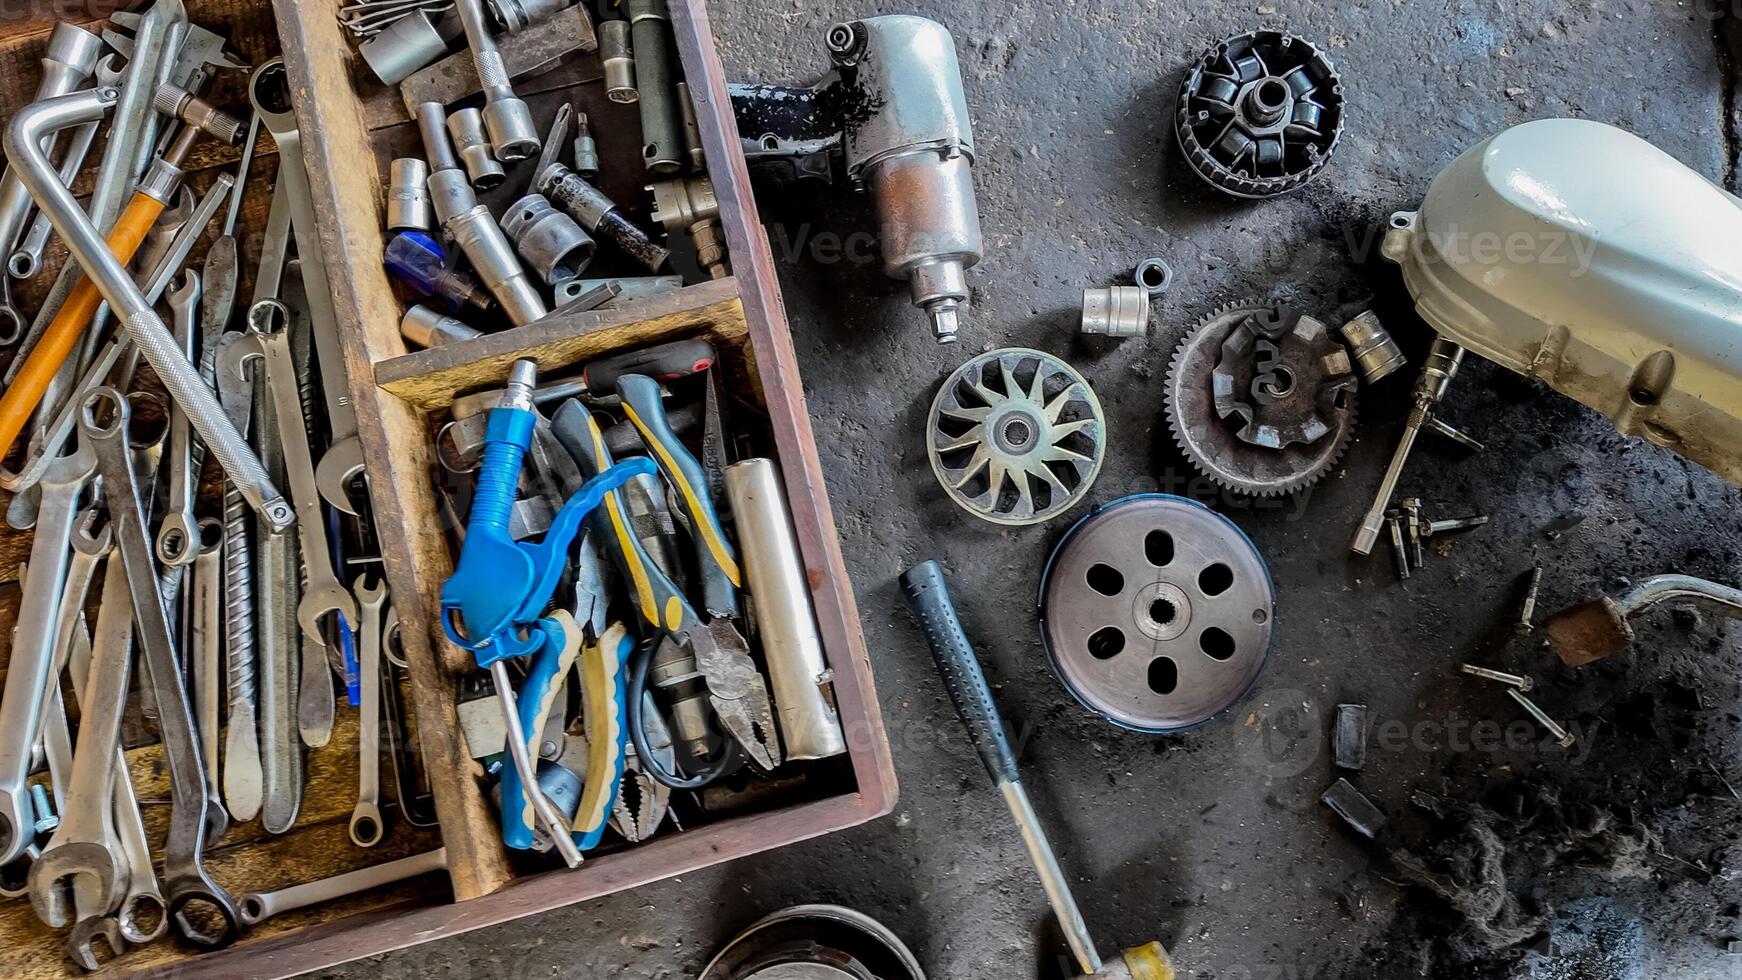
[
  {"x": 343, "y": 460},
  {"x": 27, "y": 674},
  {"x": 103, "y": 427},
  {"x": 143, "y": 901},
  {"x": 205, "y": 629},
  {"x": 177, "y": 541},
  {"x": 366, "y": 826},
  {"x": 267, "y": 343}
]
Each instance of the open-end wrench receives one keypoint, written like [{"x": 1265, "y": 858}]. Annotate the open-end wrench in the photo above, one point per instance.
[
  {"x": 27, "y": 673},
  {"x": 366, "y": 825},
  {"x": 206, "y": 623},
  {"x": 83, "y": 865},
  {"x": 177, "y": 541},
  {"x": 343, "y": 460},
  {"x": 267, "y": 342},
  {"x": 103, "y": 427},
  {"x": 143, "y": 901}
]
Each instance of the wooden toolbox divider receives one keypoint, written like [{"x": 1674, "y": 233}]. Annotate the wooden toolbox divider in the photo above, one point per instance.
[{"x": 350, "y": 126}]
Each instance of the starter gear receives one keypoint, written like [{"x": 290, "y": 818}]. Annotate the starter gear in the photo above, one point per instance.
[
  {"x": 1261, "y": 398},
  {"x": 1260, "y": 114}
]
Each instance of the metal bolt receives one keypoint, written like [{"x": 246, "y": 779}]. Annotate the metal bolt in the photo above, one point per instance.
[
  {"x": 1562, "y": 737},
  {"x": 46, "y": 819},
  {"x": 1431, "y": 528},
  {"x": 1528, "y": 610},
  {"x": 1412, "y": 522},
  {"x": 1394, "y": 521},
  {"x": 1456, "y": 435},
  {"x": 1511, "y": 680}
]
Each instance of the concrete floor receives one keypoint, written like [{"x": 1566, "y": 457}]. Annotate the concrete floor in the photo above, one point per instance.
[{"x": 1214, "y": 841}]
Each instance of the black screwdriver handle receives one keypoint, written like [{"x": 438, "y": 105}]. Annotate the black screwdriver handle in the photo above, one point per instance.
[{"x": 929, "y": 597}]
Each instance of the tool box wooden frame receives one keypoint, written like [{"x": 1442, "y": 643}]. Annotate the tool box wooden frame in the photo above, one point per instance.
[{"x": 342, "y": 114}]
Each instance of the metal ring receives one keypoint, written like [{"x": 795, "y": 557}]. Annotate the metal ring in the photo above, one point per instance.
[{"x": 1153, "y": 276}]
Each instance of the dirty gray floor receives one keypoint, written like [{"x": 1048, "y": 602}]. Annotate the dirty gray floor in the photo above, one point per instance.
[{"x": 1621, "y": 850}]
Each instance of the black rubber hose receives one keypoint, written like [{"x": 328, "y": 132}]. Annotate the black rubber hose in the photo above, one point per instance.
[{"x": 729, "y": 758}]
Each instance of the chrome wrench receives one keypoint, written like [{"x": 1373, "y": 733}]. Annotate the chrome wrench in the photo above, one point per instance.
[
  {"x": 267, "y": 342},
  {"x": 103, "y": 427},
  {"x": 205, "y": 628},
  {"x": 83, "y": 865},
  {"x": 177, "y": 541},
  {"x": 27, "y": 257},
  {"x": 112, "y": 645},
  {"x": 366, "y": 825},
  {"x": 27, "y": 674},
  {"x": 343, "y": 460},
  {"x": 70, "y": 58}
]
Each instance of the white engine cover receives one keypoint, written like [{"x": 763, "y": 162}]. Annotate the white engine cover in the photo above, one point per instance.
[{"x": 1580, "y": 254}]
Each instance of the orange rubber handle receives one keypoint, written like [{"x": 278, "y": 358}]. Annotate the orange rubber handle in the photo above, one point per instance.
[{"x": 25, "y": 393}]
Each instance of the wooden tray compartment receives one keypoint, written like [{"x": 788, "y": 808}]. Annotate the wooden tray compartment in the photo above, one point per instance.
[{"x": 346, "y": 118}]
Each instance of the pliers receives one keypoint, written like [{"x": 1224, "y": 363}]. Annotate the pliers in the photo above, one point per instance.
[{"x": 736, "y": 690}]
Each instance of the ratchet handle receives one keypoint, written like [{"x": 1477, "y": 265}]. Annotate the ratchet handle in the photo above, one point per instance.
[
  {"x": 26, "y": 390},
  {"x": 714, "y": 555},
  {"x": 667, "y": 362},
  {"x": 658, "y": 600},
  {"x": 929, "y": 598}
]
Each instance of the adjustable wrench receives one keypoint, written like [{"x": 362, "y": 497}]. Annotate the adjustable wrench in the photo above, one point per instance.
[
  {"x": 205, "y": 628},
  {"x": 366, "y": 826},
  {"x": 112, "y": 646},
  {"x": 27, "y": 674},
  {"x": 177, "y": 542},
  {"x": 267, "y": 341},
  {"x": 185, "y": 880},
  {"x": 343, "y": 460}
]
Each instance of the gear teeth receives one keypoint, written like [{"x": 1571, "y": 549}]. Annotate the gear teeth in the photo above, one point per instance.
[{"x": 1176, "y": 427}]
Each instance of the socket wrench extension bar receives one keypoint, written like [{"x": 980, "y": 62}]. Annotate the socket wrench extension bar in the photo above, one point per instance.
[{"x": 86, "y": 244}]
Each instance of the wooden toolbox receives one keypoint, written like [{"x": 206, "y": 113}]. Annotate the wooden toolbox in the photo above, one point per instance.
[{"x": 351, "y": 127}]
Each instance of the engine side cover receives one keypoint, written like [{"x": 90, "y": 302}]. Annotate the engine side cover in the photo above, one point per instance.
[{"x": 1577, "y": 253}]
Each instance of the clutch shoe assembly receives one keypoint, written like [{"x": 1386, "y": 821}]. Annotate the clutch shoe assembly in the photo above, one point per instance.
[
  {"x": 815, "y": 942},
  {"x": 1016, "y": 436},
  {"x": 1261, "y": 398},
  {"x": 1260, "y": 114},
  {"x": 1156, "y": 612}
]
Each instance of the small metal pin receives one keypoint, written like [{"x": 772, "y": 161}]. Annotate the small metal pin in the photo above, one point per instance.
[
  {"x": 1511, "y": 680},
  {"x": 1431, "y": 528},
  {"x": 1412, "y": 523},
  {"x": 1394, "y": 521},
  {"x": 1528, "y": 610},
  {"x": 1562, "y": 737},
  {"x": 1456, "y": 435},
  {"x": 46, "y": 818}
]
